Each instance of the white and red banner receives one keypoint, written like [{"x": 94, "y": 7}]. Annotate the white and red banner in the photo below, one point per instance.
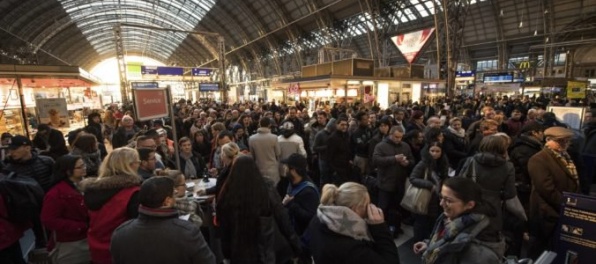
[
  {"x": 294, "y": 88},
  {"x": 410, "y": 44}
]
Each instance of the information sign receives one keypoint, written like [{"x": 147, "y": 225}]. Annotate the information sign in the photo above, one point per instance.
[{"x": 576, "y": 231}]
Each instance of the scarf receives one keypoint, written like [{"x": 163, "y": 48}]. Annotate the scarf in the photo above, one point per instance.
[
  {"x": 344, "y": 221},
  {"x": 460, "y": 133},
  {"x": 446, "y": 231},
  {"x": 565, "y": 159},
  {"x": 189, "y": 169}
]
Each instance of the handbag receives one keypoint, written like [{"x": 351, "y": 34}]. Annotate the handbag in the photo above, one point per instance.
[{"x": 416, "y": 199}]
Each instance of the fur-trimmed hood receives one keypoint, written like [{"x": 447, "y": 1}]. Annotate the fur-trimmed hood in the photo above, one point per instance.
[{"x": 99, "y": 191}]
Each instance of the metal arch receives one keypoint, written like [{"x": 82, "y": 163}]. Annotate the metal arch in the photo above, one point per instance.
[
  {"x": 164, "y": 19},
  {"x": 502, "y": 44},
  {"x": 28, "y": 7},
  {"x": 237, "y": 24}
]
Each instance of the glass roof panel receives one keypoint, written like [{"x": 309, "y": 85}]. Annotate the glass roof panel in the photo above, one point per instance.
[{"x": 95, "y": 17}]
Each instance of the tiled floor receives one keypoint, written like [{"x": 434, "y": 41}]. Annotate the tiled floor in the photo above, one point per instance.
[{"x": 404, "y": 244}]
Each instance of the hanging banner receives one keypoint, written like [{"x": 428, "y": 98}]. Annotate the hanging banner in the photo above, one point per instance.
[
  {"x": 150, "y": 103},
  {"x": 576, "y": 231},
  {"x": 52, "y": 111},
  {"x": 576, "y": 90},
  {"x": 410, "y": 44}
]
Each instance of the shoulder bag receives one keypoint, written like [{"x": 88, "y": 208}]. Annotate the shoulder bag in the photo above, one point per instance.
[{"x": 416, "y": 199}]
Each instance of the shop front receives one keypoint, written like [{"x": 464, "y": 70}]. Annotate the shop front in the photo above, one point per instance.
[{"x": 56, "y": 95}]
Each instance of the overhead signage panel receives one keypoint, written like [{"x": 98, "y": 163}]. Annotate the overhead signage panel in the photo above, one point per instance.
[
  {"x": 177, "y": 71},
  {"x": 201, "y": 72},
  {"x": 149, "y": 70},
  {"x": 208, "y": 87},
  {"x": 144, "y": 85}
]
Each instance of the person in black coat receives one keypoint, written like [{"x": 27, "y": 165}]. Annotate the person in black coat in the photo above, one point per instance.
[
  {"x": 50, "y": 142},
  {"x": 455, "y": 143},
  {"x": 340, "y": 234},
  {"x": 338, "y": 152},
  {"x": 525, "y": 146}
]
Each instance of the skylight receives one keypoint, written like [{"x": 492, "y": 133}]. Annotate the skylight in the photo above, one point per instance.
[{"x": 96, "y": 19}]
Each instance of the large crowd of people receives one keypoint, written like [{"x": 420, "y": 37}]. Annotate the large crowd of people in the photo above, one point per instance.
[{"x": 295, "y": 186}]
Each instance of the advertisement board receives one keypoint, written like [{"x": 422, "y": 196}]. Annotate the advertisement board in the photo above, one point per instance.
[
  {"x": 52, "y": 111},
  {"x": 150, "y": 103},
  {"x": 575, "y": 236},
  {"x": 410, "y": 44},
  {"x": 576, "y": 90}
]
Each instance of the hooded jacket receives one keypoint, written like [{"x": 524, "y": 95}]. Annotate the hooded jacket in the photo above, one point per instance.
[
  {"x": 111, "y": 201},
  {"x": 496, "y": 177}
]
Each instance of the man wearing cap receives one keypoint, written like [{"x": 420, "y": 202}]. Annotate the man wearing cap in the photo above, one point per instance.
[
  {"x": 158, "y": 232},
  {"x": 26, "y": 162},
  {"x": 552, "y": 172},
  {"x": 302, "y": 197}
]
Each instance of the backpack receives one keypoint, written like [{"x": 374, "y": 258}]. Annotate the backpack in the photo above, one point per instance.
[{"x": 23, "y": 196}]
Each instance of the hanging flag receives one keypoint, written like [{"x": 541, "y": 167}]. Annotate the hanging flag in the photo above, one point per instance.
[{"x": 410, "y": 44}]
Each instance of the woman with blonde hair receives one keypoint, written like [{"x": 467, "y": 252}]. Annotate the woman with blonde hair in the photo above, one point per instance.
[
  {"x": 349, "y": 229},
  {"x": 112, "y": 199},
  {"x": 229, "y": 152}
]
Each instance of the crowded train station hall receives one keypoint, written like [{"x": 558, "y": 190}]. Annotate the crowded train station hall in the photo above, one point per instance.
[{"x": 297, "y": 131}]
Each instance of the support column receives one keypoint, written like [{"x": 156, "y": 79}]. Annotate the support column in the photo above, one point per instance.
[{"x": 121, "y": 63}]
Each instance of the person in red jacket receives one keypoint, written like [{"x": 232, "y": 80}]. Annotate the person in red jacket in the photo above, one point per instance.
[
  {"x": 112, "y": 199},
  {"x": 10, "y": 233},
  {"x": 64, "y": 212}
]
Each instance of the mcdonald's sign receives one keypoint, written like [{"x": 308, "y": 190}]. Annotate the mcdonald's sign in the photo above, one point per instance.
[{"x": 524, "y": 65}]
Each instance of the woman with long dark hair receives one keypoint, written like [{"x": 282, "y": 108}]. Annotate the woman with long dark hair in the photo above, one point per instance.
[
  {"x": 200, "y": 144},
  {"x": 248, "y": 212},
  {"x": 86, "y": 146},
  {"x": 65, "y": 214},
  {"x": 460, "y": 234},
  {"x": 429, "y": 174}
]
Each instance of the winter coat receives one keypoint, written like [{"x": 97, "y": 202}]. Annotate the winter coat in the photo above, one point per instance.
[
  {"x": 38, "y": 167},
  {"x": 320, "y": 145},
  {"x": 95, "y": 128},
  {"x": 272, "y": 244},
  {"x": 496, "y": 177},
  {"x": 291, "y": 145},
  {"x": 422, "y": 170},
  {"x": 550, "y": 179},
  {"x": 346, "y": 238},
  {"x": 339, "y": 154},
  {"x": 389, "y": 172},
  {"x": 197, "y": 161},
  {"x": 121, "y": 138},
  {"x": 520, "y": 153},
  {"x": 10, "y": 232},
  {"x": 303, "y": 207},
  {"x": 65, "y": 213},
  {"x": 455, "y": 148},
  {"x": 514, "y": 127},
  {"x": 111, "y": 201},
  {"x": 265, "y": 151},
  {"x": 462, "y": 244},
  {"x": 159, "y": 236},
  {"x": 315, "y": 128},
  {"x": 359, "y": 141},
  {"x": 589, "y": 146}
]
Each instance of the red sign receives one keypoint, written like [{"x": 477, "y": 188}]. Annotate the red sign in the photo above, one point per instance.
[
  {"x": 410, "y": 44},
  {"x": 150, "y": 103}
]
